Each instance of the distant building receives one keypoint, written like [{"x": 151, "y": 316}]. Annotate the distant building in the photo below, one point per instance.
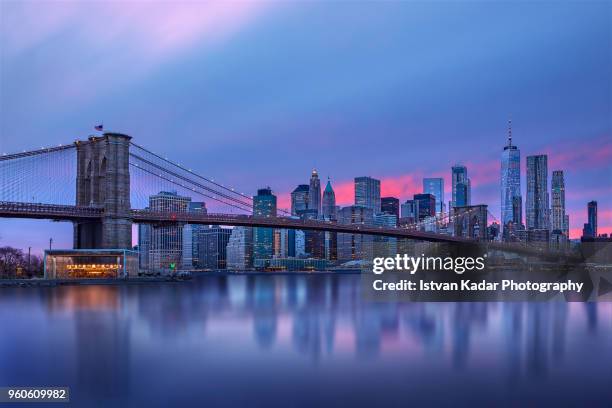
[
  {"x": 264, "y": 205},
  {"x": 461, "y": 186},
  {"x": 435, "y": 187},
  {"x": 299, "y": 198},
  {"x": 355, "y": 246},
  {"x": 239, "y": 252},
  {"x": 390, "y": 205},
  {"x": 314, "y": 241},
  {"x": 329, "y": 202},
  {"x": 410, "y": 209},
  {"x": 510, "y": 178},
  {"x": 314, "y": 193},
  {"x": 590, "y": 228},
  {"x": 537, "y": 206},
  {"x": 560, "y": 220},
  {"x": 385, "y": 246},
  {"x": 367, "y": 193},
  {"x": 427, "y": 205}
]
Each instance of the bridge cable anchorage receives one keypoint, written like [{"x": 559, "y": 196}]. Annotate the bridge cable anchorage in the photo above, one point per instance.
[
  {"x": 247, "y": 209},
  {"x": 186, "y": 179}
]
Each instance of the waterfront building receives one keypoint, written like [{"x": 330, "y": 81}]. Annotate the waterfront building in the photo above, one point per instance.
[
  {"x": 537, "y": 206},
  {"x": 435, "y": 187},
  {"x": 355, "y": 246},
  {"x": 560, "y": 220},
  {"x": 298, "y": 264},
  {"x": 299, "y": 198},
  {"x": 426, "y": 205},
  {"x": 461, "y": 187},
  {"x": 367, "y": 193},
  {"x": 314, "y": 193},
  {"x": 239, "y": 250},
  {"x": 264, "y": 205},
  {"x": 329, "y": 202},
  {"x": 390, "y": 205},
  {"x": 510, "y": 178},
  {"x": 164, "y": 244},
  {"x": 192, "y": 238},
  {"x": 212, "y": 248}
]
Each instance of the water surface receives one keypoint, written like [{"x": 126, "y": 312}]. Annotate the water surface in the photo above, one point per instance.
[{"x": 303, "y": 340}]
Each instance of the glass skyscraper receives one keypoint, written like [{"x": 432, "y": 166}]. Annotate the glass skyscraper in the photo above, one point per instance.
[
  {"x": 510, "y": 178},
  {"x": 435, "y": 187},
  {"x": 299, "y": 199},
  {"x": 264, "y": 205},
  {"x": 367, "y": 193},
  {"x": 537, "y": 206},
  {"x": 461, "y": 186}
]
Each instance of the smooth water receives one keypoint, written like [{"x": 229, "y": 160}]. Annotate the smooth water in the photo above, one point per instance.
[{"x": 302, "y": 340}]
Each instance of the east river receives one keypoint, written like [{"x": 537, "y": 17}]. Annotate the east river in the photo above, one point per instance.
[{"x": 299, "y": 340}]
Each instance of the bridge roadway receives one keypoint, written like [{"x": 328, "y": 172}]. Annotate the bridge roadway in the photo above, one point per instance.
[
  {"x": 76, "y": 213},
  {"x": 79, "y": 213}
]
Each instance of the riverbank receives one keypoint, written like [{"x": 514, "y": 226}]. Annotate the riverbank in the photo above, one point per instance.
[{"x": 158, "y": 279}]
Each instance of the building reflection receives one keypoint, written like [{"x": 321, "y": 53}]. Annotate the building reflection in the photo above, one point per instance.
[{"x": 316, "y": 316}]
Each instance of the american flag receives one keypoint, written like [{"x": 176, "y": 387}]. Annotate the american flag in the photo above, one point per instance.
[{"x": 99, "y": 127}]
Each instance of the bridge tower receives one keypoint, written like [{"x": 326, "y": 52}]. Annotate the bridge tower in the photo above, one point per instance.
[{"x": 103, "y": 180}]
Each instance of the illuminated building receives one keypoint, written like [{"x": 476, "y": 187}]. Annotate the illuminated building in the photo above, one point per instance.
[
  {"x": 367, "y": 193},
  {"x": 510, "y": 178},
  {"x": 90, "y": 264}
]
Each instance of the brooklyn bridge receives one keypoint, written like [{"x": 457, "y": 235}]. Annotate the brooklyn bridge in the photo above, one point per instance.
[{"x": 101, "y": 185}]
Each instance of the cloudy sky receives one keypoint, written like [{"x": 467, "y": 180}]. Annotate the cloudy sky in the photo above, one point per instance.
[{"x": 259, "y": 93}]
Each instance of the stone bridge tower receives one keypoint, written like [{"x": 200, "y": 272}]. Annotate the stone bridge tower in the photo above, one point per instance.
[{"x": 103, "y": 180}]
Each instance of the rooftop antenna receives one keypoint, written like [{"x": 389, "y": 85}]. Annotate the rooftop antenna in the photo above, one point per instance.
[{"x": 510, "y": 132}]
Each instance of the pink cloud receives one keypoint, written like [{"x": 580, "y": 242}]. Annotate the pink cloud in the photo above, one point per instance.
[{"x": 128, "y": 40}]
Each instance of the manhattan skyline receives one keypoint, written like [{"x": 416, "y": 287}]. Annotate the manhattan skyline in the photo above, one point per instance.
[{"x": 272, "y": 90}]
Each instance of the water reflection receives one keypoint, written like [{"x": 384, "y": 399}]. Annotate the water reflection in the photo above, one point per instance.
[{"x": 110, "y": 343}]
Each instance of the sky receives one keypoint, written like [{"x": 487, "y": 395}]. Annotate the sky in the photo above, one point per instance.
[{"x": 259, "y": 93}]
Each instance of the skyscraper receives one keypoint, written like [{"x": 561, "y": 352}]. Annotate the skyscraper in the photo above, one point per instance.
[
  {"x": 510, "y": 178},
  {"x": 537, "y": 207},
  {"x": 213, "y": 247},
  {"x": 590, "y": 228},
  {"x": 264, "y": 205},
  {"x": 461, "y": 186},
  {"x": 240, "y": 249},
  {"x": 299, "y": 198},
  {"x": 367, "y": 193},
  {"x": 192, "y": 238},
  {"x": 390, "y": 205},
  {"x": 166, "y": 242},
  {"x": 435, "y": 187},
  {"x": 426, "y": 206},
  {"x": 329, "y": 202},
  {"x": 314, "y": 193},
  {"x": 355, "y": 246},
  {"x": 560, "y": 220}
]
